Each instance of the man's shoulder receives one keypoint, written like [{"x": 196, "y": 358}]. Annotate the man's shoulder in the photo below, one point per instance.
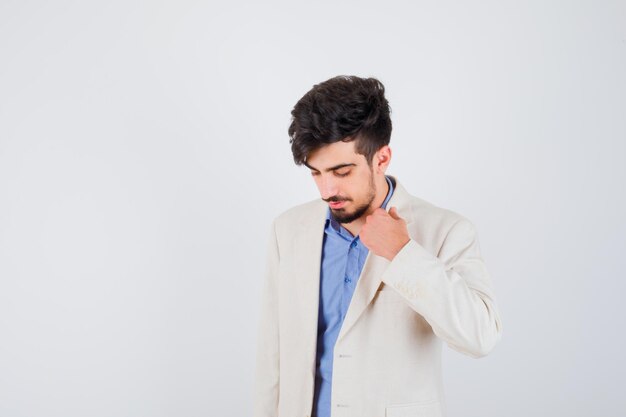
[{"x": 424, "y": 211}]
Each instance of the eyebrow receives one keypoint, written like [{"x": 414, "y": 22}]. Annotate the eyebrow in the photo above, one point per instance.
[{"x": 331, "y": 168}]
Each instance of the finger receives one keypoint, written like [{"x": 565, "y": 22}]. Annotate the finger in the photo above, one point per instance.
[{"x": 394, "y": 213}]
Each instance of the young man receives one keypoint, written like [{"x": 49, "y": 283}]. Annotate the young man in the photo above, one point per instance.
[{"x": 364, "y": 284}]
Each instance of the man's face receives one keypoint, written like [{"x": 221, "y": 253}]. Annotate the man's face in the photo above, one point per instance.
[{"x": 344, "y": 179}]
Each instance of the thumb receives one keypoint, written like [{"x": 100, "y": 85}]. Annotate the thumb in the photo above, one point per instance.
[{"x": 394, "y": 213}]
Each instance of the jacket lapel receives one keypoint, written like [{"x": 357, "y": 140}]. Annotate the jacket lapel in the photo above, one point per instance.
[
  {"x": 307, "y": 268},
  {"x": 374, "y": 266}
]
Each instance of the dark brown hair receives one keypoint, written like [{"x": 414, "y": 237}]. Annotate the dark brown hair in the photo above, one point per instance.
[{"x": 343, "y": 108}]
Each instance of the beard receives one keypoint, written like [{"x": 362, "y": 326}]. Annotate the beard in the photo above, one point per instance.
[{"x": 342, "y": 216}]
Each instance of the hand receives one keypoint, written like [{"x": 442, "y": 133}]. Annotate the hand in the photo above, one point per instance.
[{"x": 385, "y": 234}]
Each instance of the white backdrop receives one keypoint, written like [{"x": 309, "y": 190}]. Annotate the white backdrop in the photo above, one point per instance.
[{"x": 144, "y": 153}]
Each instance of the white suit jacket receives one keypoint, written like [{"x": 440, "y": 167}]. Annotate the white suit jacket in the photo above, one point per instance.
[{"x": 387, "y": 358}]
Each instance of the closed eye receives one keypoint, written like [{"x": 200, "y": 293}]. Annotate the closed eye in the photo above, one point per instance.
[{"x": 337, "y": 173}]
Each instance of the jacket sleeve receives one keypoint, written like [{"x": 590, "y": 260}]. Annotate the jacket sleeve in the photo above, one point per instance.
[
  {"x": 267, "y": 357},
  {"x": 452, "y": 290}
]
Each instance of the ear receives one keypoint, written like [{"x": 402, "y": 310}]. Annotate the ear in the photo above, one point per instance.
[{"x": 382, "y": 159}]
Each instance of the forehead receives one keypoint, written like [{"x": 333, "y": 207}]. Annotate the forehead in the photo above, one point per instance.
[{"x": 333, "y": 154}]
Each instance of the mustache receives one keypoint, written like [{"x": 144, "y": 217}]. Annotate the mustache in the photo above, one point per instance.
[{"x": 335, "y": 199}]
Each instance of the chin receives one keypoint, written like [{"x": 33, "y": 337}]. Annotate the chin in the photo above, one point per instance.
[{"x": 344, "y": 217}]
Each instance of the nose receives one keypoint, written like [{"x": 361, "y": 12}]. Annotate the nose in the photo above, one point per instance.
[{"x": 327, "y": 187}]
